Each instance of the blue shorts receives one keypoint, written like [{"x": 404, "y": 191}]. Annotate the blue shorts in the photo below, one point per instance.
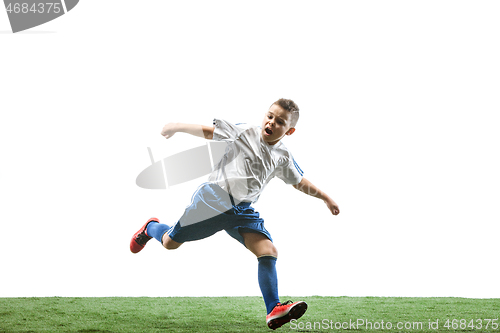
[{"x": 211, "y": 210}]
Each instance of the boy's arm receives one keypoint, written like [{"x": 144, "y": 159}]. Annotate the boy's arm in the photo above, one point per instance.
[
  {"x": 202, "y": 131},
  {"x": 309, "y": 188}
]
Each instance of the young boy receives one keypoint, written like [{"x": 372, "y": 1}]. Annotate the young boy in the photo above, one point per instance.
[{"x": 254, "y": 155}]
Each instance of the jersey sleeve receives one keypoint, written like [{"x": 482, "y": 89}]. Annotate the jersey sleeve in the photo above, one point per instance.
[
  {"x": 289, "y": 171},
  {"x": 225, "y": 131}
]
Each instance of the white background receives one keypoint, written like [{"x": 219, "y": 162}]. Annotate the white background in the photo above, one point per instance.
[{"x": 399, "y": 124}]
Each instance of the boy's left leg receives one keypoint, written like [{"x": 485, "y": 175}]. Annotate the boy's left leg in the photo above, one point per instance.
[
  {"x": 266, "y": 254},
  {"x": 277, "y": 314}
]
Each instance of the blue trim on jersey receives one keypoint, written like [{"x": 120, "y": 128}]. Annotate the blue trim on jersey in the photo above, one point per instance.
[{"x": 297, "y": 167}]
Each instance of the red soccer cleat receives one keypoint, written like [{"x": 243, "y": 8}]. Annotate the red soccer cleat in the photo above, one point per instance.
[
  {"x": 284, "y": 313},
  {"x": 140, "y": 238}
]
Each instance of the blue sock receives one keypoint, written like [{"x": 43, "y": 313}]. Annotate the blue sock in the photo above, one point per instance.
[
  {"x": 157, "y": 230},
  {"x": 268, "y": 281}
]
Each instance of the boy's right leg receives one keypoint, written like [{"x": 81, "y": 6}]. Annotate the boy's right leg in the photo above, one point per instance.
[
  {"x": 169, "y": 243},
  {"x": 152, "y": 228},
  {"x": 202, "y": 218},
  {"x": 141, "y": 237},
  {"x": 159, "y": 232}
]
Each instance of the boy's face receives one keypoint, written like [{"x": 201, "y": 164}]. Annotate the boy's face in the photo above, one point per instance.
[{"x": 276, "y": 124}]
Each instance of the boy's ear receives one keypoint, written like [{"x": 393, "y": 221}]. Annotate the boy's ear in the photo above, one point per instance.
[{"x": 290, "y": 131}]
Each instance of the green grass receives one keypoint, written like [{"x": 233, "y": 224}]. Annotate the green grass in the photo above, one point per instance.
[{"x": 240, "y": 314}]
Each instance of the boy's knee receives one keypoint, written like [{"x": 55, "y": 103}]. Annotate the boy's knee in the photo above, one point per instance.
[
  {"x": 169, "y": 243},
  {"x": 260, "y": 245},
  {"x": 171, "y": 246},
  {"x": 267, "y": 249},
  {"x": 272, "y": 251}
]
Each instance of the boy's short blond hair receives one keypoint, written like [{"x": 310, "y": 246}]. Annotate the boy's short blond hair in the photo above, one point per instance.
[{"x": 290, "y": 106}]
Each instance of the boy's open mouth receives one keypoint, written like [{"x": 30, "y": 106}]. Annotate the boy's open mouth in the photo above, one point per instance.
[{"x": 268, "y": 131}]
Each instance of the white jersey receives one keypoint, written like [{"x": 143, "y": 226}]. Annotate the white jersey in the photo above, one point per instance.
[{"x": 249, "y": 163}]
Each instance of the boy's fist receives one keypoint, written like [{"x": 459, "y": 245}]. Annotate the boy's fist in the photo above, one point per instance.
[
  {"x": 169, "y": 130},
  {"x": 332, "y": 206}
]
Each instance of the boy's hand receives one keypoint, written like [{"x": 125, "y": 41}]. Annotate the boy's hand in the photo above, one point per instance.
[
  {"x": 308, "y": 188},
  {"x": 332, "y": 206},
  {"x": 169, "y": 130}
]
